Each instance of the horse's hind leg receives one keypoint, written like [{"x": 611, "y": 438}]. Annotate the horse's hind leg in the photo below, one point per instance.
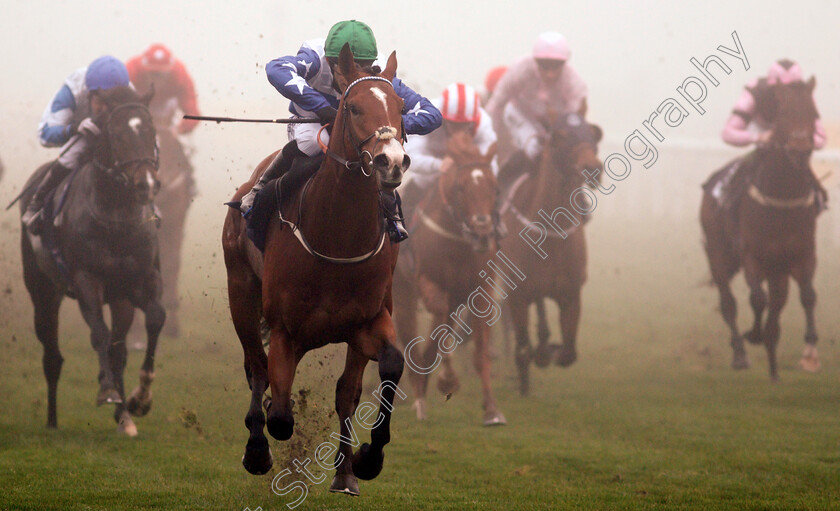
[
  {"x": 724, "y": 266},
  {"x": 140, "y": 400},
  {"x": 810, "y": 360},
  {"x": 405, "y": 320},
  {"x": 90, "y": 295},
  {"x": 122, "y": 314},
  {"x": 519, "y": 317},
  {"x": 47, "y": 300},
  {"x": 778, "y": 290}
]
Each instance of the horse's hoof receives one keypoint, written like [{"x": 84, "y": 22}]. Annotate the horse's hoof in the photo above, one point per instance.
[
  {"x": 345, "y": 483},
  {"x": 257, "y": 459},
  {"x": 110, "y": 396},
  {"x": 753, "y": 337},
  {"x": 279, "y": 426},
  {"x": 740, "y": 361},
  {"x": 544, "y": 353},
  {"x": 367, "y": 464},
  {"x": 139, "y": 404},
  {"x": 448, "y": 384},
  {"x": 494, "y": 419},
  {"x": 419, "y": 407},
  {"x": 126, "y": 425},
  {"x": 812, "y": 365},
  {"x": 566, "y": 356}
]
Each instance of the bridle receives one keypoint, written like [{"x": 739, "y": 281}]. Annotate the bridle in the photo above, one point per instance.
[
  {"x": 467, "y": 232},
  {"x": 118, "y": 168},
  {"x": 365, "y": 159}
]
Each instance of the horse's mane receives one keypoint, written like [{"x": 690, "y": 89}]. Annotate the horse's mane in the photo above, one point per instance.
[
  {"x": 461, "y": 149},
  {"x": 120, "y": 95}
]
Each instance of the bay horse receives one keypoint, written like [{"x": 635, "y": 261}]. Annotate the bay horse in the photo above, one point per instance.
[
  {"x": 326, "y": 278},
  {"x": 173, "y": 201},
  {"x": 107, "y": 245},
  {"x": 570, "y": 149},
  {"x": 455, "y": 235},
  {"x": 773, "y": 237}
]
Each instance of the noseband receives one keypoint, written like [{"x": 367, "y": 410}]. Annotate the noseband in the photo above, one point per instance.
[{"x": 365, "y": 158}]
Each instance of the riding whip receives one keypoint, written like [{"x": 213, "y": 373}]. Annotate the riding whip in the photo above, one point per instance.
[{"x": 300, "y": 120}]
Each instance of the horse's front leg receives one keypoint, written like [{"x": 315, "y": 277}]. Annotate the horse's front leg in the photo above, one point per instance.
[
  {"x": 90, "y": 296},
  {"x": 348, "y": 390},
  {"x": 569, "y": 301},
  {"x": 758, "y": 298},
  {"x": 122, "y": 314},
  {"x": 804, "y": 276},
  {"x": 778, "y": 288},
  {"x": 481, "y": 359},
  {"x": 140, "y": 400},
  {"x": 519, "y": 317},
  {"x": 379, "y": 342},
  {"x": 283, "y": 360}
]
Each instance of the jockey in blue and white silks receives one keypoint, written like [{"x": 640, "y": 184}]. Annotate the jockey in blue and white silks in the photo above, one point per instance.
[
  {"x": 70, "y": 113},
  {"x": 306, "y": 79}
]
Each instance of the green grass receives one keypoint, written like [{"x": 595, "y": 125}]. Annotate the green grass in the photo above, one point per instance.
[{"x": 650, "y": 417}]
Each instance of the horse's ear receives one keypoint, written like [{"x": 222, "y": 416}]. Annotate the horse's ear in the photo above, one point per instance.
[
  {"x": 491, "y": 152},
  {"x": 812, "y": 83},
  {"x": 346, "y": 64},
  {"x": 596, "y": 132},
  {"x": 391, "y": 67},
  {"x": 146, "y": 98}
]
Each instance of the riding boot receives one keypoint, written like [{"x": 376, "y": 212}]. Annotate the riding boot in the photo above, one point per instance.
[
  {"x": 32, "y": 218},
  {"x": 392, "y": 204},
  {"x": 279, "y": 166}
]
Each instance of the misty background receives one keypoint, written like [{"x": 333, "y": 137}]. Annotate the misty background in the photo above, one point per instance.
[{"x": 632, "y": 56}]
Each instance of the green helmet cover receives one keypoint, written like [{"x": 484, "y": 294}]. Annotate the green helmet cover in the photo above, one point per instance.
[{"x": 357, "y": 34}]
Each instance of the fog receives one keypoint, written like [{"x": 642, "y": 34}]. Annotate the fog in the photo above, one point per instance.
[{"x": 633, "y": 56}]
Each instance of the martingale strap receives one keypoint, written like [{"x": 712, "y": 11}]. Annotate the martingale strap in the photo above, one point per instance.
[
  {"x": 335, "y": 260},
  {"x": 773, "y": 202}
]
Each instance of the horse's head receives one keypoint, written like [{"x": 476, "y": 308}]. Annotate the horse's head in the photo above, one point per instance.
[
  {"x": 370, "y": 118},
  {"x": 469, "y": 190},
  {"x": 131, "y": 156},
  {"x": 573, "y": 143},
  {"x": 796, "y": 113}
]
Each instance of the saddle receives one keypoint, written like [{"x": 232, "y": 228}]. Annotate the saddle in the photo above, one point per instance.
[{"x": 276, "y": 195}]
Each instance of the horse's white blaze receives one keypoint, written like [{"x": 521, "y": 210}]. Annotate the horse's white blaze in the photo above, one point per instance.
[
  {"x": 380, "y": 95},
  {"x": 394, "y": 151},
  {"x": 150, "y": 179},
  {"x": 477, "y": 174},
  {"x": 134, "y": 123}
]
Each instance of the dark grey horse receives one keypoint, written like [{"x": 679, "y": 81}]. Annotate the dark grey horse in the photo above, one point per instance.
[{"x": 106, "y": 235}]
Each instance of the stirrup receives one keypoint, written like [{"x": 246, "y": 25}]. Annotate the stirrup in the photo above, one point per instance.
[{"x": 396, "y": 231}]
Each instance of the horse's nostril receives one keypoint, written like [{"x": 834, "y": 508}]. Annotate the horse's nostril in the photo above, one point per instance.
[
  {"x": 380, "y": 161},
  {"x": 406, "y": 163}
]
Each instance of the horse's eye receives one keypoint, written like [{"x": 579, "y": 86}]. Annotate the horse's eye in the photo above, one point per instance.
[{"x": 353, "y": 109}]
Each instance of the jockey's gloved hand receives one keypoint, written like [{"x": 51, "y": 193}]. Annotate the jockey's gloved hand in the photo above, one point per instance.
[
  {"x": 326, "y": 115},
  {"x": 88, "y": 128},
  {"x": 532, "y": 148}
]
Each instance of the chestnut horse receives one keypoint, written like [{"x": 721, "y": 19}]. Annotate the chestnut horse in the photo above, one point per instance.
[
  {"x": 455, "y": 234},
  {"x": 327, "y": 277},
  {"x": 558, "y": 269},
  {"x": 107, "y": 239},
  {"x": 774, "y": 236}
]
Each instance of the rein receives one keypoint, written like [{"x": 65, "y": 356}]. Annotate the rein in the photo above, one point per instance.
[
  {"x": 381, "y": 134},
  {"x": 524, "y": 220},
  {"x": 773, "y": 202}
]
